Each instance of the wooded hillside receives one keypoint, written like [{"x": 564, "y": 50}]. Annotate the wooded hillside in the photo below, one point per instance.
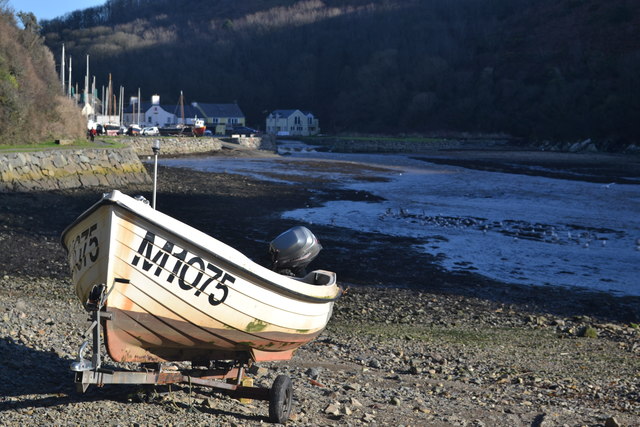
[
  {"x": 31, "y": 108},
  {"x": 559, "y": 69}
]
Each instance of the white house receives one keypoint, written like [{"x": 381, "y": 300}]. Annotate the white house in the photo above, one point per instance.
[
  {"x": 292, "y": 122},
  {"x": 222, "y": 117}
]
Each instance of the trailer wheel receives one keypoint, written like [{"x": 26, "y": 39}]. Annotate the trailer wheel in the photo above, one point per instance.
[{"x": 280, "y": 399}]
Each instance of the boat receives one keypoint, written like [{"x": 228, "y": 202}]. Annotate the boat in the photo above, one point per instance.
[
  {"x": 198, "y": 127},
  {"x": 177, "y": 130},
  {"x": 112, "y": 129},
  {"x": 169, "y": 292},
  {"x": 180, "y": 129},
  {"x": 134, "y": 130}
]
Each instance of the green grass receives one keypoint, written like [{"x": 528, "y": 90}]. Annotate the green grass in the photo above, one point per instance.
[{"x": 51, "y": 145}]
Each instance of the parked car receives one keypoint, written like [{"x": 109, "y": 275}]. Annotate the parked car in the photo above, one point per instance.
[
  {"x": 242, "y": 130},
  {"x": 152, "y": 130}
]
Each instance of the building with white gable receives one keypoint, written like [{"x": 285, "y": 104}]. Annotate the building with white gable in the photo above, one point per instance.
[
  {"x": 219, "y": 117},
  {"x": 292, "y": 123}
]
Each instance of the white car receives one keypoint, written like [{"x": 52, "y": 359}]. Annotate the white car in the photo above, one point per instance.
[{"x": 153, "y": 130}]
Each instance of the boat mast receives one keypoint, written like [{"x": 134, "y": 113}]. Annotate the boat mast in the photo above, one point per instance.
[
  {"x": 108, "y": 99},
  {"x": 182, "y": 107},
  {"x": 62, "y": 71},
  {"x": 86, "y": 84},
  {"x": 138, "y": 119},
  {"x": 121, "y": 106},
  {"x": 93, "y": 96},
  {"x": 70, "y": 61}
]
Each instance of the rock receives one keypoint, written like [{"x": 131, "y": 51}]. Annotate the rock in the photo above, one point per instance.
[
  {"x": 375, "y": 364},
  {"x": 313, "y": 373},
  {"x": 368, "y": 418},
  {"x": 612, "y": 422},
  {"x": 333, "y": 409},
  {"x": 355, "y": 403},
  {"x": 257, "y": 371},
  {"x": 588, "y": 332},
  {"x": 352, "y": 386},
  {"x": 21, "y": 305}
]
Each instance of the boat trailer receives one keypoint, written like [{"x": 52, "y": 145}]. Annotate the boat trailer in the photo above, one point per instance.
[{"x": 227, "y": 377}]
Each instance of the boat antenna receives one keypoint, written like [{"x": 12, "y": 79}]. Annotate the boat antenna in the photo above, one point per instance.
[{"x": 156, "y": 149}]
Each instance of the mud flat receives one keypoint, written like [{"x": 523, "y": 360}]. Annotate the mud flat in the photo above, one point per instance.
[{"x": 453, "y": 349}]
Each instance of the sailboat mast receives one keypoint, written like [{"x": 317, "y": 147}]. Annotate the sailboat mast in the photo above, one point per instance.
[
  {"x": 62, "y": 71},
  {"x": 86, "y": 84},
  {"x": 70, "y": 61},
  {"x": 93, "y": 95},
  {"x": 109, "y": 106},
  {"x": 182, "y": 107},
  {"x": 138, "y": 120}
]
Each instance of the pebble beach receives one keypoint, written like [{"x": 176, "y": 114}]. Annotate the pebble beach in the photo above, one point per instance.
[{"x": 463, "y": 352}]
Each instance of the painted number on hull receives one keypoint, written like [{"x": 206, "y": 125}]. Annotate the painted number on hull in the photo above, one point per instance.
[
  {"x": 84, "y": 249},
  {"x": 191, "y": 272}
]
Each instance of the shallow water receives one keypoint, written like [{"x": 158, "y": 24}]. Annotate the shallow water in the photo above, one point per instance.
[{"x": 514, "y": 228}]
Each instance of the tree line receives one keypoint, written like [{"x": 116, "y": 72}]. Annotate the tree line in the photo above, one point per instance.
[
  {"x": 31, "y": 106},
  {"x": 537, "y": 69}
]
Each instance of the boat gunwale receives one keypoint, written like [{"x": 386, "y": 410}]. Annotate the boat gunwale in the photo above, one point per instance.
[{"x": 105, "y": 201}]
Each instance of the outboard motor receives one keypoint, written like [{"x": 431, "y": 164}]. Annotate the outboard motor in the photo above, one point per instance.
[{"x": 293, "y": 250}]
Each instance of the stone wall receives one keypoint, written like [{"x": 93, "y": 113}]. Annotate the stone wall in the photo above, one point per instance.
[
  {"x": 172, "y": 146},
  {"x": 346, "y": 145},
  {"x": 264, "y": 142},
  {"x": 190, "y": 145},
  {"x": 59, "y": 169}
]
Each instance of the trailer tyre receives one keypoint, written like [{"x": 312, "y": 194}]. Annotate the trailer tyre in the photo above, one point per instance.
[{"x": 280, "y": 399}]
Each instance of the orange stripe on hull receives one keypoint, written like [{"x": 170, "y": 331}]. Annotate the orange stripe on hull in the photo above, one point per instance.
[{"x": 134, "y": 336}]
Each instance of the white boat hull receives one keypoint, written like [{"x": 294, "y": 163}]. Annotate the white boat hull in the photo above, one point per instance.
[{"x": 188, "y": 296}]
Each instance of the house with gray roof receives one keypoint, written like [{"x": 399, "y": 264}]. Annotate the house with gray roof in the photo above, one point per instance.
[
  {"x": 292, "y": 123},
  {"x": 222, "y": 117}
]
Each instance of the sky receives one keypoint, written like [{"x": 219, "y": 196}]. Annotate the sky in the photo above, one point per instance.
[{"x": 49, "y": 9}]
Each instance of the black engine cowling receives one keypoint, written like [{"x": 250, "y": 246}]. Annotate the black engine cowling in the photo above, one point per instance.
[{"x": 293, "y": 250}]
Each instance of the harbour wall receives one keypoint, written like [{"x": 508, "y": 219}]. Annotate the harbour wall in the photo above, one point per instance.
[
  {"x": 190, "y": 145},
  {"x": 347, "y": 145},
  {"x": 106, "y": 167},
  {"x": 382, "y": 145},
  {"x": 71, "y": 168},
  {"x": 172, "y": 146}
]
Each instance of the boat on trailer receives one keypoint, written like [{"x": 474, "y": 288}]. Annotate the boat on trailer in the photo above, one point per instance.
[{"x": 159, "y": 290}]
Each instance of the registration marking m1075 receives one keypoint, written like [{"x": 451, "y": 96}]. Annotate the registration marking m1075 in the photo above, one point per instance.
[{"x": 192, "y": 272}]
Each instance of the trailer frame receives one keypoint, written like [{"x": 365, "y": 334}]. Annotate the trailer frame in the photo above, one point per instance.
[{"x": 224, "y": 376}]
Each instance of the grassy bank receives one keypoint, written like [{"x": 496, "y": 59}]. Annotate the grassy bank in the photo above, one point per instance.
[{"x": 53, "y": 145}]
